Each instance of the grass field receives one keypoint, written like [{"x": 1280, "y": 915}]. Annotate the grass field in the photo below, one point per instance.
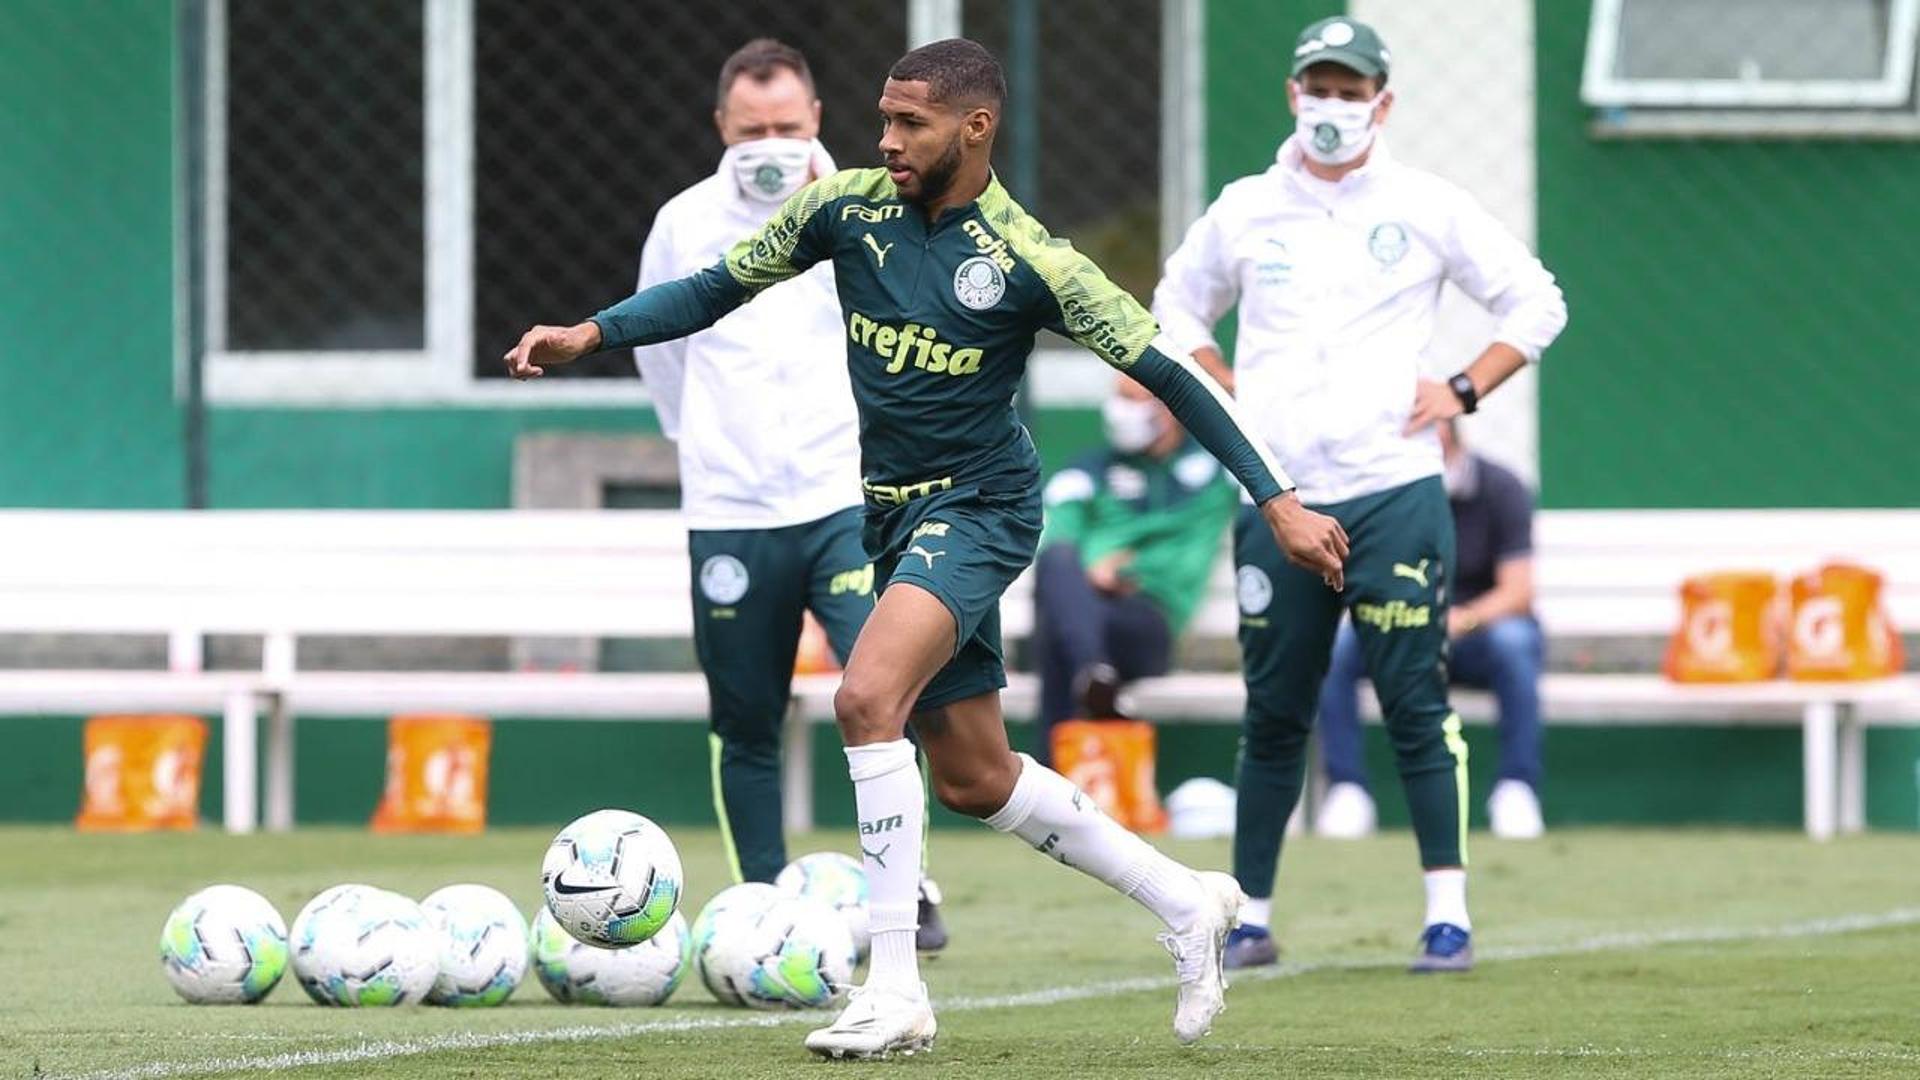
[{"x": 1602, "y": 953}]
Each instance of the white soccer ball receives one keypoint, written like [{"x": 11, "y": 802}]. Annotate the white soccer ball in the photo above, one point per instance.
[
  {"x": 837, "y": 880},
  {"x": 732, "y": 912},
  {"x": 358, "y": 945},
  {"x": 612, "y": 878},
  {"x": 756, "y": 946},
  {"x": 576, "y": 973},
  {"x": 224, "y": 945},
  {"x": 483, "y": 945}
]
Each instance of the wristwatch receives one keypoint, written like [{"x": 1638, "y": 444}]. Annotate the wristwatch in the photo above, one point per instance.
[{"x": 1462, "y": 388}]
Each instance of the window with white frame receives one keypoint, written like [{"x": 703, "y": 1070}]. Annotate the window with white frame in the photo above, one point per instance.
[
  {"x": 324, "y": 172},
  {"x": 390, "y": 190},
  {"x": 336, "y": 231},
  {"x": 590, "y": 114},
  {"x": 1752, "y": 55}
]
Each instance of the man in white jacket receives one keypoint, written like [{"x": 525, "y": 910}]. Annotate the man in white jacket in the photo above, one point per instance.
[
  {"x": 763, "y": 415},
  {"x": 1336, "y": 256}
]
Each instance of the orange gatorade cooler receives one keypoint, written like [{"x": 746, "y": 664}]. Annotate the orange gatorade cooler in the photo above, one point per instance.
[
  {"x": 1729, "y": 629},
  {"x": 1839, "y": 629},
  {"x": 436, "y": 775},
  {"x": 1112, "y": 761},
  {"x": 142, "y": 773}
]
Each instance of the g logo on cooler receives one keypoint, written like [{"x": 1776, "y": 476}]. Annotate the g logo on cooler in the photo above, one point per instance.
[
  {"x": 1254, "y": 588},
  {"x": 723, "y": 579}
]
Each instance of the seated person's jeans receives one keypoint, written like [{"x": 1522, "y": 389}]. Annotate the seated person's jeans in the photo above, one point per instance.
[
  {"x": 1504, "y": 656},
  {"x": 1076, "y": 625}
]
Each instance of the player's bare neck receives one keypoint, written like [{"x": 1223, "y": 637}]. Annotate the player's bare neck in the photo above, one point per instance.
[{"x": 968, "y": 184}]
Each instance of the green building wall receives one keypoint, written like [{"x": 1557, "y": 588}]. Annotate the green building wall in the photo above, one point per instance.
[
  {"x": 1743, "y": 331},
  {"x": 1743, "y": 328},
  {"x": 86, "y": 255},
  {"x": 1743, "y": 309},
  {"x": 1760, "y": 351},
  {"x": 1596, "y": 776}
]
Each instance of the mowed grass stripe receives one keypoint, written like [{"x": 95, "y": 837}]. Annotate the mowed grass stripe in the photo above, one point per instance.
[{"x": 379, "y": 1050}]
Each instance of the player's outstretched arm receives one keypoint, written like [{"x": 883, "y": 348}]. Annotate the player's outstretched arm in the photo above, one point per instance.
[
  {"x": 797, "y": 237},
  {"x": 665, "y": 312},
  {"x": 1310, "y": 539}
]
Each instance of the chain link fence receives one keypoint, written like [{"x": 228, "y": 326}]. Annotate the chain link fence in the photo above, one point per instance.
[
  {"x": 368, "y": 199},
  {"x": 585, "y": 116}
]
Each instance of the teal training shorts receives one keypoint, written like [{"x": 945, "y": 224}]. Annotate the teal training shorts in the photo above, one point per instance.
[{"x": 964, "y": 547}]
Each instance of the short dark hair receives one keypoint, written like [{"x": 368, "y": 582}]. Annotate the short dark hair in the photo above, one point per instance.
[
  {"x": 956, "y": 70},
  {"x": 759, "y": 60}
]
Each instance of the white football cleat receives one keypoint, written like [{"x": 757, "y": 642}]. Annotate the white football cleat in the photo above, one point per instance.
[
  {"x": 1346, "y": 813},
  {"x": 1197, "y": 957},
  {"x": 1513, "y": 811},
  {"x": 879, "y": 1022}
]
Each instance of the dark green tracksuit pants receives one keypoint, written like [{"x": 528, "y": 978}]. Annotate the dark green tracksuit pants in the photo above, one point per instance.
[
  {"x": 1396, "y": 595},
  {"x": 750, "y": 587}
]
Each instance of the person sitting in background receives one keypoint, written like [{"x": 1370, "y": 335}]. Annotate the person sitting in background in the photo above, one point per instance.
[
  {"x": 1494, "y": 644},
  {"x": 1132, "y": 530}
]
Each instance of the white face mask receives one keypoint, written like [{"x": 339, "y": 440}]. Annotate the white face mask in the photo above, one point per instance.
[
  {"x": 1131, "y": 425},
  {"x": 1332, "y": 131},
  {"x": 769, "y": 170}
]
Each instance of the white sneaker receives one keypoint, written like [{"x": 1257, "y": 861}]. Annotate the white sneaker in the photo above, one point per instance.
[
  {"x": 878, "y": 1022},
  {"x": 1514, "y": 811},
  {"x": 1197, "y": 957},
  {"x": 1346, "y": 813}
]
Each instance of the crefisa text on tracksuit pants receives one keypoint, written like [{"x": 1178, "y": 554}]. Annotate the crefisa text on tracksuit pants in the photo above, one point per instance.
[{"x": 1396, "y": 594}]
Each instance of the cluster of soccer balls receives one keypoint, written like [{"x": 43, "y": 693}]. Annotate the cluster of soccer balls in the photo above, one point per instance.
[{"x": 610, "y": 933}]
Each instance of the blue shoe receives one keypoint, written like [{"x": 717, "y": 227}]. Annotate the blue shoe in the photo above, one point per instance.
[
  {"x": 1443, "y": 947},
  {"x": 1250, "y": 946}
]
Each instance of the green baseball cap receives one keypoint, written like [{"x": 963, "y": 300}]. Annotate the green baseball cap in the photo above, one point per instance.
[{"x": 1342, "y": 41}]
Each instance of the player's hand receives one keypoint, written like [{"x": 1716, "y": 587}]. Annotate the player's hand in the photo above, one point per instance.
[
  {"x": 1311, "y": 540},
  {"x": 1461, "y": 622},
  {"x": 1432, "y": 403},
  {"x": 1108, "y": 573},
  {"x": 546, "y": 345},
  {"x": 1214, "y": 364}
]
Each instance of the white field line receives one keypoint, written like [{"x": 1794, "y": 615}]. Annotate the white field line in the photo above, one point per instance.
[{"x": 1621, "y": 942}]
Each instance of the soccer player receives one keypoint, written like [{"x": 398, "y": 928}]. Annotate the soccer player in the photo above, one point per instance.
[
  {"x": 772, "y": 533},
  {"x": 944, "y": 281},
  {"x": 1336, "y": 255}
]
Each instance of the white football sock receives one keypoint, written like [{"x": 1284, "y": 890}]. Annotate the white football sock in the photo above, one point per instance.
[
  {"x": 892, "y": 809},
  {"x": 1257, "y": 911},
  {"x": 1047, "y": 811},
  {"x": 1447, "y": 898}
]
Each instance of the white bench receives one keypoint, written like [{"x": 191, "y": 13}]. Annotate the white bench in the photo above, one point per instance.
[
  {"x": 288, "y": 574},
  {"x": 284, "y": 575},
  {"x": 1608, "y": 573}
]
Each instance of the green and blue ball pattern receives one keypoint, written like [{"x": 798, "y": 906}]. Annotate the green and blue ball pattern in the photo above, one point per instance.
[
  {"x": 483, "y": 946},
  {"x": 224, "y": 945},
  {"x": 757, "y": 947},
  {"x": 612, "y": 878},
  {"x": 579, "y": 974},
  {"x": 355, "y": 945}
]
